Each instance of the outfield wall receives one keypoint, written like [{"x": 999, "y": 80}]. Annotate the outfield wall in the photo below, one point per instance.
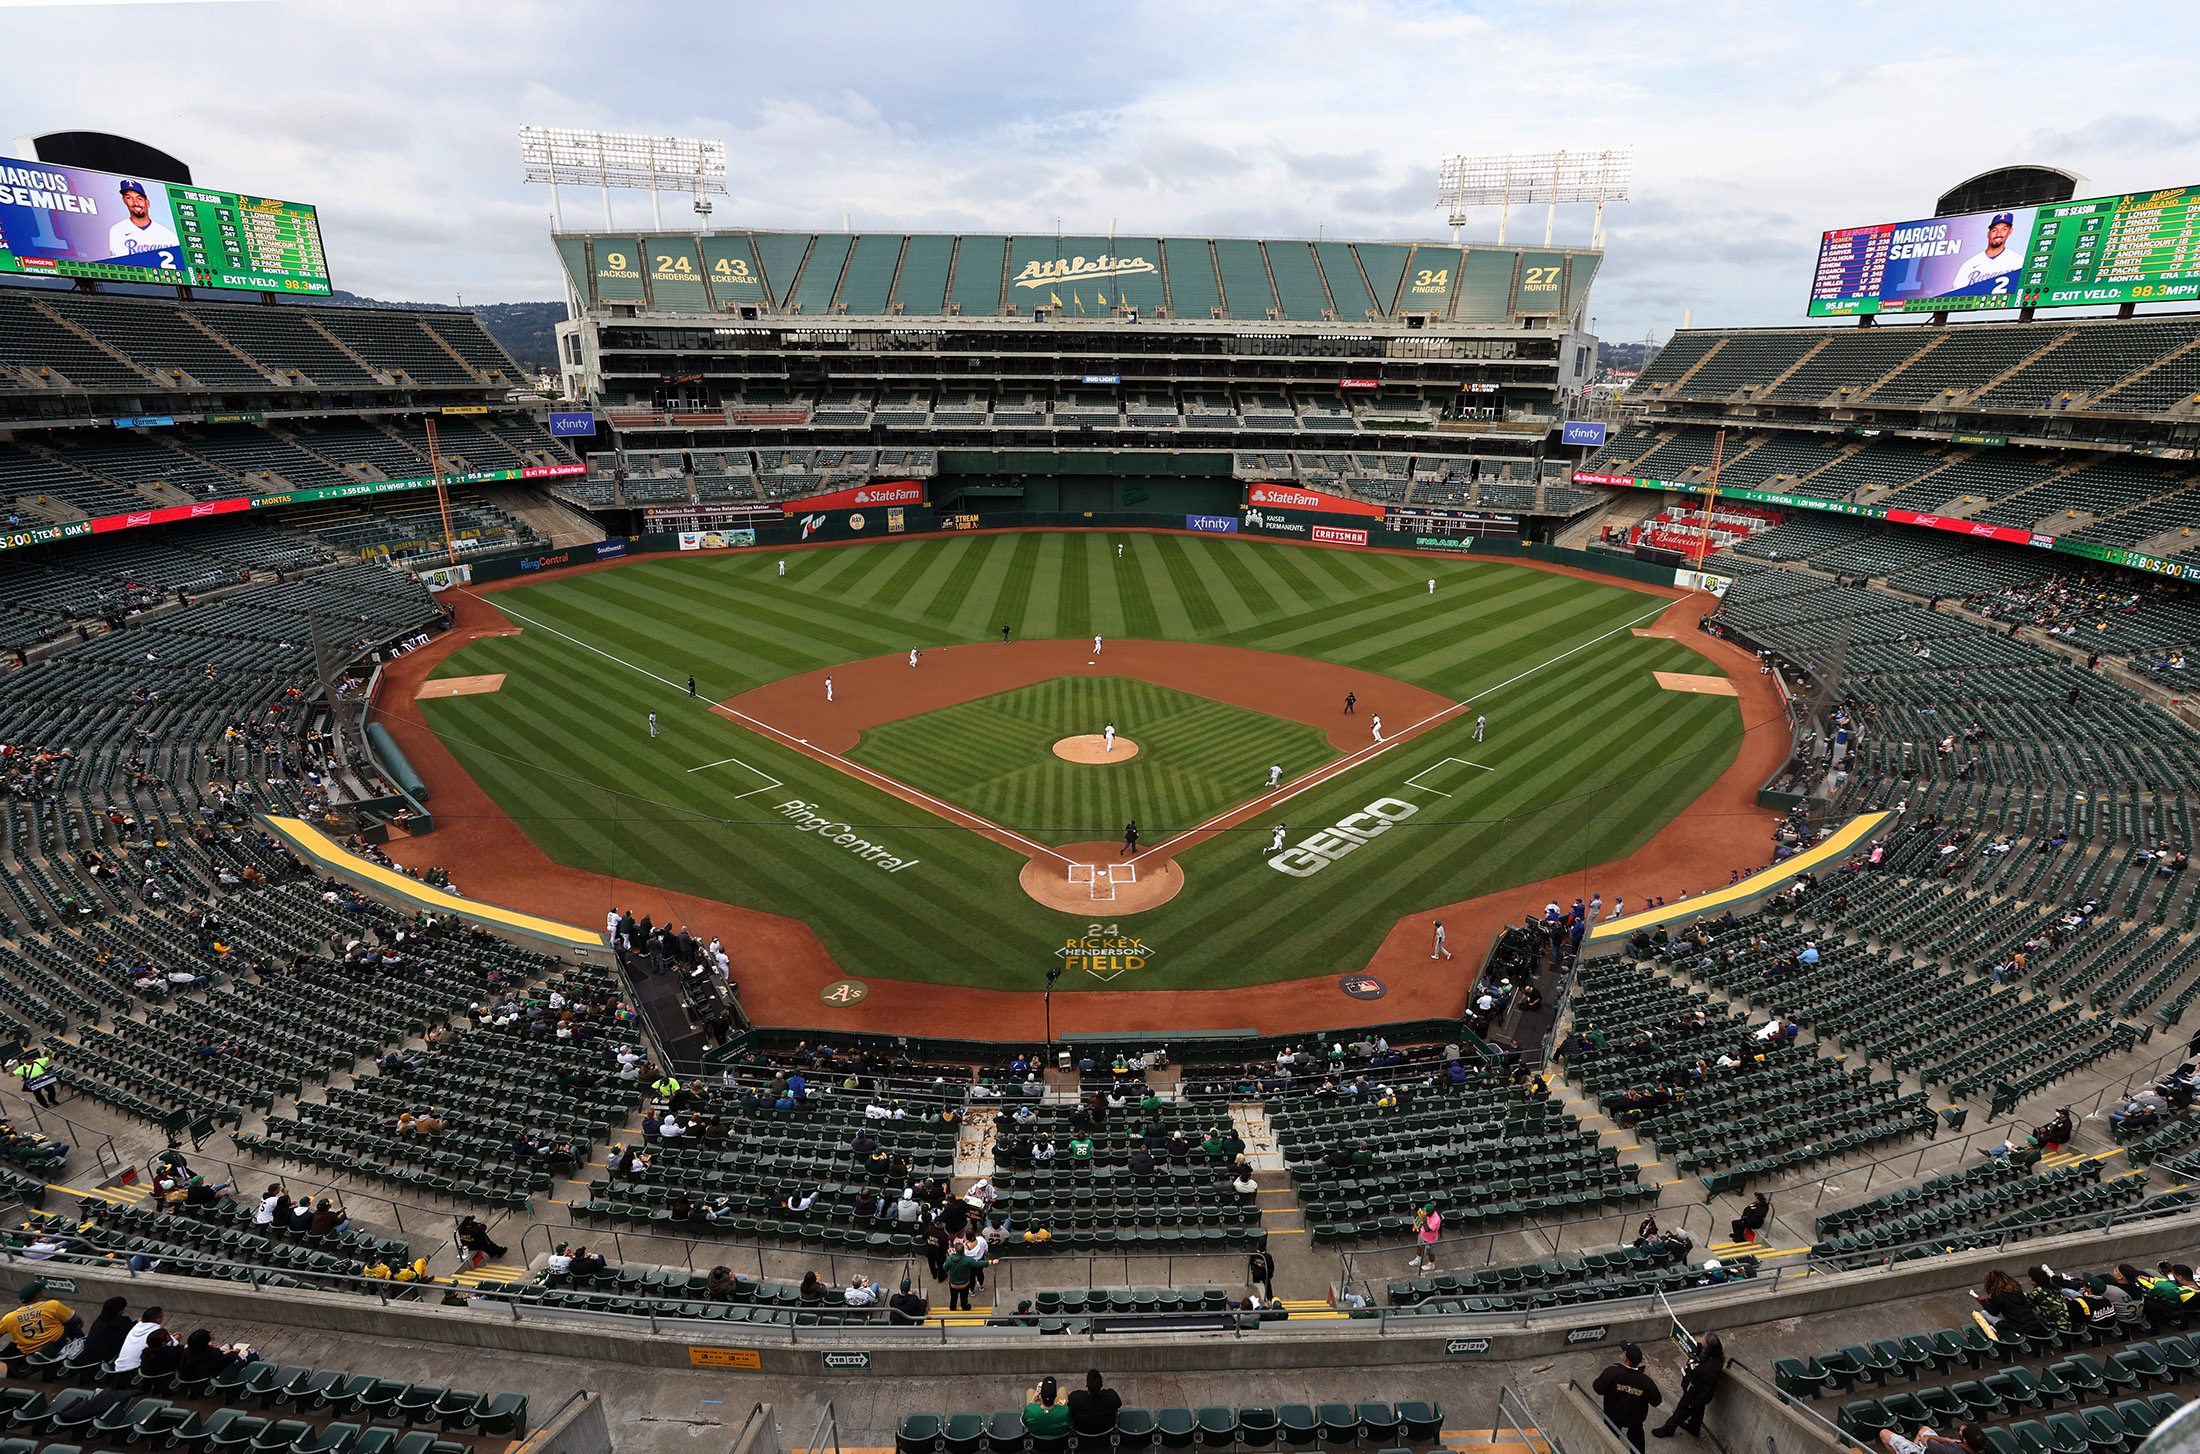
[{"x": 887, "y": 523}]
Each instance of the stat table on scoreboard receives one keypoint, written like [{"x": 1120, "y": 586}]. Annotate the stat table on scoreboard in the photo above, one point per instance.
[{"x": 251, "y": 242}]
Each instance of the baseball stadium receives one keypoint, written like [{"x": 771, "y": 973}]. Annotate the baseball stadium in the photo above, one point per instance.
[{"x": 936, "y": 811}]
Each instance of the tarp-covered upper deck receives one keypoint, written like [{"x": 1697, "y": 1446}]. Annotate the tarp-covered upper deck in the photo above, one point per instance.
[{"x": 817, "y": 275}]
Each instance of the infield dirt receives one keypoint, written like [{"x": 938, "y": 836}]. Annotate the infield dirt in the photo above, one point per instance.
[{"x": 782, "y": 967}]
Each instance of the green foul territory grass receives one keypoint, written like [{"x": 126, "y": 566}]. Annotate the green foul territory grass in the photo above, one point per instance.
[
  {"x": 995, "y": 757},
  {"x": 1584, "y": 757}
]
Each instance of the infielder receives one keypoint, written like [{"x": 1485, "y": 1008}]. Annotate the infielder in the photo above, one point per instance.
[
  {"x": 1275, "y": 773},
  {"x": 912, "y": 656},
  {"x": 1109, "y": 733},
  {"x": 1478, "y": 720},
  {"x": 828, "y": 689},
  {"x": 1095, "y": 646},
  {"x": 1277, "y": 845},
  {"x": 653, "y": 724},
  {"x": 1442, "y": 950},
  {"x": 1378, "y": 729}
]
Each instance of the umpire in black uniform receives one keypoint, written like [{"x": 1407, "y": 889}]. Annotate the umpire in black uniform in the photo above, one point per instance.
[{"x": 1629, "y": 1393}]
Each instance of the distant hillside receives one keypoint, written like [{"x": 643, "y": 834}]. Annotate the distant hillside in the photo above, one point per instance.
[{"x": 525, "y": 329}]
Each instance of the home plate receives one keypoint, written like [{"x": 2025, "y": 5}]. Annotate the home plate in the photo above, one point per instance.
[
  {"x": 461, "y": 686},
  {"x": 1674, "y": 681}
]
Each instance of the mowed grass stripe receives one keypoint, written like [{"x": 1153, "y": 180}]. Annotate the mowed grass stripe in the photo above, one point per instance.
[{"x": 958, "y": 917}]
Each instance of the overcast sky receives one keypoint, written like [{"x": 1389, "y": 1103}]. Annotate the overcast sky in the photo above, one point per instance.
[{"x": 1755, "y": 127}]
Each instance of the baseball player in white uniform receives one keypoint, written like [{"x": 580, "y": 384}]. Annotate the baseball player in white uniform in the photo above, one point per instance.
[
  {"x": 1378, "y": 729},
  {"x": 1432, "y": 586},
  {"x": 1119, "y": 550},
  {"x": 1276, "y": 845},
  {"x": 139, "y": 231},
  {"x": 782, "y": 566},
  {"x": 828, "y": 689},
  {"x": 1109, "y": 733},
  {"x": 1095, "y": 646},
  {"x": 1442, "y": 950},
  {"x": 912, "y": 656},
  {"x": 1275, "y": 773},
  {"x": 1478, "y": 720},
  {"x": 1996, "y": 259},
  {"x": 653, "y": 724}
]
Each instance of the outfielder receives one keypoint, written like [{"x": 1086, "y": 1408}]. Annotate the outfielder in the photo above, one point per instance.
[
  {"x": 1432, "y": 587},
  {"x": 1275, "y": 773},
  {"x": 782, "y": 565},
  {"x": 1119, "y": 550},
  {"x": 1478, "y": 720},
  {"x": 1109, "y": 733},
  {"x": 653, "y": 724},
  {"x": 1277, "y": 845}
]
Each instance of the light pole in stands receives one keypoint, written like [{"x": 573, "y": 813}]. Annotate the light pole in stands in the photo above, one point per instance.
[{"x": 1054, "y": 972}]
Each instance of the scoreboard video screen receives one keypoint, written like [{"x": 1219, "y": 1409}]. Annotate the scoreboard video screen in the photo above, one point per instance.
[
  {"x": 73, "y": 222},
  {"x": 2142, "y": 247}
]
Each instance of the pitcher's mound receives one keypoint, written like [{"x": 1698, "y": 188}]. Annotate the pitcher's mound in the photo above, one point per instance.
[
  {"x": 1093, "y": 748},
  {"x": 1099, "y": 880}
]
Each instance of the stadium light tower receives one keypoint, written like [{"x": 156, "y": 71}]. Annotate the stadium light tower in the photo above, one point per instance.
[
  {"x": 1544, "y": 176},
  {"x": 608, "y": 159}
]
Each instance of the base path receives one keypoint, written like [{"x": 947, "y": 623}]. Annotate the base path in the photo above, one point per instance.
[
  {"x": 882, "y": 689},
  {"x": 783, "y": 969}
]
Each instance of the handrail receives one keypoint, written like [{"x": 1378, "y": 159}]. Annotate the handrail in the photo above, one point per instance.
[
  {"x": 526, "y": 1445},
  {"x": 102, "y": 1142},
  {"x": 825, "y": 1421},
  {"x": 341, "y": 1195},
  {"x": 1349, "y": 1257},
  {"x": 1888, "y": 1256}
]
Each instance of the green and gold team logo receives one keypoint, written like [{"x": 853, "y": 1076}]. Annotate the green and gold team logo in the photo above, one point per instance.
[{"x": 1104, "y": 951}]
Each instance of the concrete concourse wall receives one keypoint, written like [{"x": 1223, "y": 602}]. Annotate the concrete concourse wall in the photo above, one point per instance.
[{"x": 925, "y": 1353}]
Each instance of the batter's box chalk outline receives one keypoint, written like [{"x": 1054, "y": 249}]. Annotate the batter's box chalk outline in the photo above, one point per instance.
[
  {"x": 770, "y": 782},
  {"x": 1415, "y": 782}
]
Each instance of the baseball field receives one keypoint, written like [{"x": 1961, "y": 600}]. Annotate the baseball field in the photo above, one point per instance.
[{"x": 940, "y": 822}]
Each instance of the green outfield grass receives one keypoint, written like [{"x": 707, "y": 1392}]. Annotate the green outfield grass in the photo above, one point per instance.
[
  {"x": 995, "y": 756},
  {"x": 1585, "y": 755}
]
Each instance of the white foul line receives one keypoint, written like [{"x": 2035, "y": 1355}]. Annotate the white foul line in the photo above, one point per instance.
[
  {"x": 1369, "y": 753},
  {"x": 853, "y": 769}
]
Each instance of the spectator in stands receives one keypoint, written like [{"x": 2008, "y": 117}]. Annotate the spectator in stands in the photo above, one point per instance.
[
  {"x": 204, "y": 1358},
  {"x": 907, "y": 1308},
  {"x": 103, "y": 1339},
  {"x": 1699, "y": 1381},
  {"x": 1045, "y": 1415},
  {"x": 722, "y": 1285},
  {"x": 861, "y": 1293},
  {"x": 1629, "y": 1393},
  {"x": 1752, "y": 1220},
  {"x": 586, "y": 1264},
  {"x": 474, "y": 1236},
  {"x": 812, "y": 1290},
  {"x": 2006, "y": 1307},
  {"x": 1092, "y": 1409},
  {"x": 1972, "y": 1440}
]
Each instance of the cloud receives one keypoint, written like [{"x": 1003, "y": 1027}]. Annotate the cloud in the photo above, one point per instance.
[{"x": 1754, "y": 127}]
